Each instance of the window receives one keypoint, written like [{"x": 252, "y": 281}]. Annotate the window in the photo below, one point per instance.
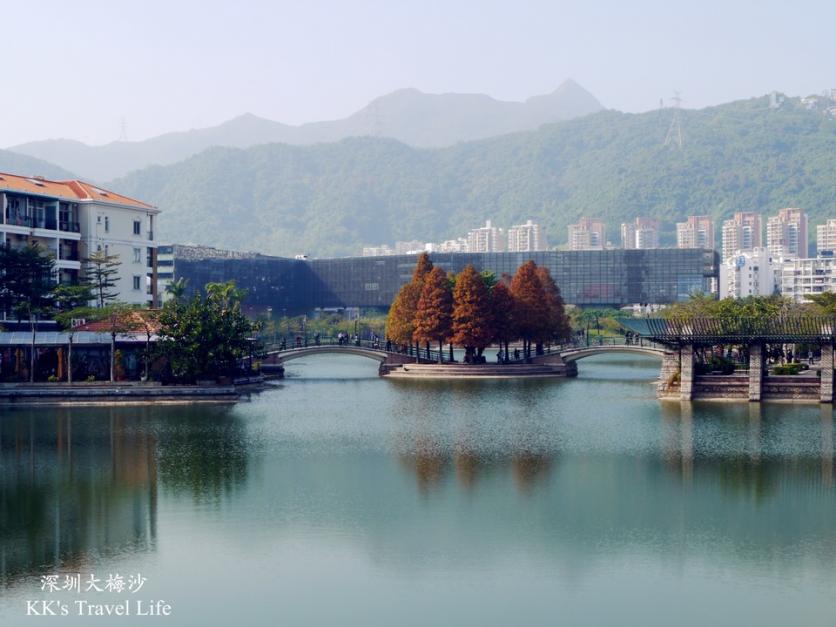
[
  {"x": 137, "y": 255},
  {"x": 137, "y": 283},
  {"x": 107, "y": 224},
  {"x": 137, "y": 227}
]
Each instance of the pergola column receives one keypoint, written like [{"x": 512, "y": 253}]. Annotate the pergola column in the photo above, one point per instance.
[
  {"x": 755, "y": 371},
  {"x": 686, "y": 372},
  {"x": 826, "y": 395}
]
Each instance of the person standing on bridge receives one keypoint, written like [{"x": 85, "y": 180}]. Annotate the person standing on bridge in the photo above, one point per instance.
[{"x": 316, "y": 339}]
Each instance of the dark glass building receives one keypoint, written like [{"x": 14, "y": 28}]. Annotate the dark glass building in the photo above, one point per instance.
[{"x": 588, "y": 278}]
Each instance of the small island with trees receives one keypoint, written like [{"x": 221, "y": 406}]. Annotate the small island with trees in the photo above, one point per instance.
[{"x": 476, "y": 311}]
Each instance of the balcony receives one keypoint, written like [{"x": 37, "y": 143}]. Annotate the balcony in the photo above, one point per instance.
[
  {"x": 70, "y": 227},
  {"x": 69, "y": 253},
  {"x": 16, "y": 219}
]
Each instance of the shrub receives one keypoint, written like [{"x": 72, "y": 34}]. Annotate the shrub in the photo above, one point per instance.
[{"x": 787, "y": 369}]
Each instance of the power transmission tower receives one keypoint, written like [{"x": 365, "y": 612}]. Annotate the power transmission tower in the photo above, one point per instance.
[
  {"x": 674, "y": 136},
  {"x": 123, "y": 129}
]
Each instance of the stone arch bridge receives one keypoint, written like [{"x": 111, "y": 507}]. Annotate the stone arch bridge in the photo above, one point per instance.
[{"x": 390, "y": 360}]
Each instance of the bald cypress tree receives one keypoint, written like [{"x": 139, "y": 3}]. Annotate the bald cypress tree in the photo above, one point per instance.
[
  {"x": 400, "y": 323},
  {"x": 472, "y": 316},
  {"x": 435, "y": 309},
  {"x": 530, "y": 312},
  {"x": 502, "y": 303},
  {"x": 557, "y": 322}
]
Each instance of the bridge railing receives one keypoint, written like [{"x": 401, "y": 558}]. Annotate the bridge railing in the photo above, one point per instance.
[
  {"x": 381, "y": 345},
  {"x": 515, "y": 355}
]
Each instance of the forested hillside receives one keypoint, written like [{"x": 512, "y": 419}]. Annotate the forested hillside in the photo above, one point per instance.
[{"x": 330, "y": 199}]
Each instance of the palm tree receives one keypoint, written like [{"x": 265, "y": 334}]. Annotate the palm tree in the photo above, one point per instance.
[{"x": 177, "y": 288}]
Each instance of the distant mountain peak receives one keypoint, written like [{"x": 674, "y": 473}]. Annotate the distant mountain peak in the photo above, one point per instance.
[{"x": 407, "y": 115}]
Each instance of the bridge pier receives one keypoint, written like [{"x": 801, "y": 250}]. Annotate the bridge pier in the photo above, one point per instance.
[
  {"x": 756, "y": 361},
  {"x": 686, "y": 372},
  {"x": 826, "y": 394}
]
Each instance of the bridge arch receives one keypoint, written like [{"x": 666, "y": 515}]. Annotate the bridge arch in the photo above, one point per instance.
[
  {"x": 360, "y": 351},
  {"x": 590, "y": 351}
]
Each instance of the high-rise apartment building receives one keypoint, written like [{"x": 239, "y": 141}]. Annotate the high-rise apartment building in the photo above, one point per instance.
[
  {"x": 526, "y": 238},
  {"x": 786, "y": 233},
  {"x": 73, "y": 219},
  {"x": 587, "y": 234},
  {"x": 749, "y": 273},
  {"x": 696, "y": 232},
  {"x": 643, "y": 233},
  {"x": 485, "y": 239},
  {"x": 742, "y": 232},
  {"x": 826, "y": 236}
]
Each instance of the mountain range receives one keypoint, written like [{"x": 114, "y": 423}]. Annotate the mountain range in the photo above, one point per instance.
[
  {"x": 332, "y": 198},
  {"x": 408, "y": 115}
]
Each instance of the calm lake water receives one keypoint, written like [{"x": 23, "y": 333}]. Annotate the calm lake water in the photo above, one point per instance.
[{"x": 342, "y": 499}]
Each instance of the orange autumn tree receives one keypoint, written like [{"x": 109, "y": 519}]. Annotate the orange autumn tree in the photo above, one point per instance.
[
  {"x": 400, "y": 323},
  {"x": 433, "y": 316},
  {"x": 557, "y": 326},
  {"x": 472, "y": 319},
  {"x": 502, "y": 303},
  {"x": 530, "y": 313}
]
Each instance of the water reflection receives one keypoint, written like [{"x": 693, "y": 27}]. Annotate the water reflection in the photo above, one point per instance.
[
  {"x": 82, "y": 484},
  {"x": 362, "y": 485},
  {"x": 72, "y": 487}
]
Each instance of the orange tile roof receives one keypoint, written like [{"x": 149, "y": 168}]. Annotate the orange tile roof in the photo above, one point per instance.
[
  {"x": 70, "y": 190},
  {"x": 134, "y": 321}
]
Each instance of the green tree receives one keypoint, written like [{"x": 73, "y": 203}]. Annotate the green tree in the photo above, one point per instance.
[
  {"x": 71, "y": 304},
  {"x": 102, "y": 272},
  {"x": 206, "y": 336},
  {"x": 26, "y": 288},
  {"x": 177, "y": 288},
  {"x": 472, "y": 315},
  {"x": 119, "y": 319},
  {"x": 824, "y": 304},
  {"x": 434, "y": 311}
]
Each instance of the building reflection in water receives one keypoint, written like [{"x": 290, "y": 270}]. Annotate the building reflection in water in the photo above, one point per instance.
[
  {"x": 755, "y": 468},
  {"x": 71, "y": 488},
  {"x": 78, "y": 484}
]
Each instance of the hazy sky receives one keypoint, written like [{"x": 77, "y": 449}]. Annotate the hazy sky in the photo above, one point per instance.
[{"x": 74, "y": 69}]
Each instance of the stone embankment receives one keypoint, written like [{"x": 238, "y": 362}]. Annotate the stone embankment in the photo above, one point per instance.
[
  {"x": 480, "y": 371},
  {"x": 122, "y": 393}
]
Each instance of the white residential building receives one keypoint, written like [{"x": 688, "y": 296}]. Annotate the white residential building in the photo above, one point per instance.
[
  {"x": 453, "y": 246},
  {"x": 525, "y": 238},
  {"x": 786, "y": 233},
  {"x": 801, "y": 278},
  {"x": 826, "y": 236},
  {"x": 643, "y": 233},
  {"x": 378, "y": 251},
  {"x": 74, "y": 219},
  {"x": 587, "y": 234},
  {"x": 749, "y": 273},
  {"x": 485, "y": 239},
  {"x": 409, "y": 247},
  {"x": 742, "y": 232},
  {"x": 696, "y": 232}
]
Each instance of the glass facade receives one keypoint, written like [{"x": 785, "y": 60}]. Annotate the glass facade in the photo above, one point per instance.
[{"x": 589, "y": 277}]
